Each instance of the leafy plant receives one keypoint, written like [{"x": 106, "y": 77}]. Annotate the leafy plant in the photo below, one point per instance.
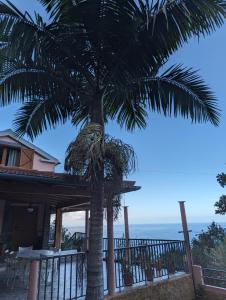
[
  {"x": 127, "y": 272},
  {"x": 95, "y": 60},
  {"x": 145, "y": 262},
  {"x": 203, "y": 244}
]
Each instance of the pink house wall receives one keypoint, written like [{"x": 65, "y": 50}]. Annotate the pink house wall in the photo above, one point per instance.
[{"x": 38, "y": 164}]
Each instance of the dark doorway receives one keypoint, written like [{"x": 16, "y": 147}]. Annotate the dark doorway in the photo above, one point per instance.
[{"x": 24, "y": 229}]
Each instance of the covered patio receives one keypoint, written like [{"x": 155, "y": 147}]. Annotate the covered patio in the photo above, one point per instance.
[{"x": 27, "y": 200}]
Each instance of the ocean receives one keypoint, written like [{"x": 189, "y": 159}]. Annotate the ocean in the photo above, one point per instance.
[{"x": 153, "y": 231}]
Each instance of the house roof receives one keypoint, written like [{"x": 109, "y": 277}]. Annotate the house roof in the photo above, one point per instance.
[
  {"x": 59, "y": 189},
  {"x": 18, "y": 141}
]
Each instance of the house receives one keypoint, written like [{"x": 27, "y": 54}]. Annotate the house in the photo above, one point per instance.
[
  {"x": 15, "y": 152},
  {"x": 31, "y": 190}
]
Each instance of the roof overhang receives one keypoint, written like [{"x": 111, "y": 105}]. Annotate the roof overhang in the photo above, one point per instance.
[{"x": 58, "y": 189}]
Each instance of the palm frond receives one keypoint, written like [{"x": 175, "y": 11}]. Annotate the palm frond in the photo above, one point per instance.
[
  {"x": 178, "y": 91},
  {"x": 136, "y": 39},
  {"x": 119, "y": 158},
  {"x": 85, "y": 153},
  {"x": 172, "y": 23},
  {"x": 36, "y": 116}
]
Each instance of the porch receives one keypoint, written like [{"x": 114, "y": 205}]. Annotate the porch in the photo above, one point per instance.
[
  {"x": 27, "y": 199},
  {"x": 62, "y": 275}
]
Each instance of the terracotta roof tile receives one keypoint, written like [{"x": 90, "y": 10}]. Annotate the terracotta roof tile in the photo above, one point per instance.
[{"x": 19, "y": 171}]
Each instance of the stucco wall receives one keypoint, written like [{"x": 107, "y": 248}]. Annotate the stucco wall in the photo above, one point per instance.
[
  {"x": 38, "y": 163},
  {"x": 214, "y": 293},
  {"x": 179, "y": 288}
]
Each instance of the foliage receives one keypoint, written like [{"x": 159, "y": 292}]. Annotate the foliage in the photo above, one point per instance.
[
  {"x": 85, "y": 153},
  {"x": 97, "y": 60},
  {"x": 205, "y": 242},
  {"x": 74, "y": 243},
  {"x": 217, "y": 255},
  {"x": 65, "y": 234},
  {"x": 108, "y": 51},
  {"x": 221, "y": 205},
  {"x": 221, "y": 178}
]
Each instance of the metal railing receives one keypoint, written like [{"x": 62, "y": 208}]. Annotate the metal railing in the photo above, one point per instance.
[
  {"x": 121, "y": 242},
  {"x": 77, "y": 240},
  {"x": 62, "y": 277},
  {"x": 140, "y": 264},
  {"x": 214, "y": 277}
]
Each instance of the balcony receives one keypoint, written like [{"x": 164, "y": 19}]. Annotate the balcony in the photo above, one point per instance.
[{"x": 62, "y": 275}]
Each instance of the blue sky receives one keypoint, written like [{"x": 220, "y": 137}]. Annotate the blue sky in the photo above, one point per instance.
[{"x": 177, "y": 160}]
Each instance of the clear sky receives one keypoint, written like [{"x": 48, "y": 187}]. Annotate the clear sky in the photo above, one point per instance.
[{"x": 177, "y": 160}]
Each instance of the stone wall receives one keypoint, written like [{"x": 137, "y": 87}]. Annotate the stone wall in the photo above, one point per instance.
[
  {"x": 209, "y": 292},
  {"x": 178, "y": 288},
  {"x": 214, "y": 293}
]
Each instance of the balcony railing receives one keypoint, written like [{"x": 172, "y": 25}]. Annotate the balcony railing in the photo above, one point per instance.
[
  {"x": 121, "y": 242},
  {"x": 64, "y": 277}
]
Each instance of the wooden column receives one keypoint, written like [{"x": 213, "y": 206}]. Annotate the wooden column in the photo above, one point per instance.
[
  {"x": 111, "y": 255},
  {"x": 87, "y": 229},
  {"x": 186, "y": 235},
  {"x": 126, "y": 223},
  {"x": 58, "y": 229},
  {"x": 2, "y": 210},
  {"x": 33, "y": 281},
  {"x": 46, "y": 227}
]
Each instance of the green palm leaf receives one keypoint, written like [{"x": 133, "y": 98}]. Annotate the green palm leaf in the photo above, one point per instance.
[{"x": 178, "y": 91}]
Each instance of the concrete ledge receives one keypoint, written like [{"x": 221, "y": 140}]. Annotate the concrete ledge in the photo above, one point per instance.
[
  {"x": 177, "y": 288},
  {"x": 214, "y": 293},
  {"x": 210, "y": 292}
]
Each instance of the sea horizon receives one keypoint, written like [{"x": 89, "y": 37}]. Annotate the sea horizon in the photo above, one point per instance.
[{"x": 171, "y": 231}]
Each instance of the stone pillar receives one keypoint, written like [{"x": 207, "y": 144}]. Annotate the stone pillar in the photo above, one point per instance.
[
  {"x": 186, "y": 235},
  {"x": 58, "y": 229},
  {"x": 32, "y": 293},
  {"x": 198, "y": 276},
  {"x": 111, "y": 255}
]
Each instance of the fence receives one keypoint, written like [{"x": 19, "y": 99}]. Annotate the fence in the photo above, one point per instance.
[
  {"x": 136, "y": 265},
  {"x": 64, "y": 277},
  {"x": 121, "y": 242},
  {"x": 77, "y": 240},
  {"x": 214, "y": 277}
]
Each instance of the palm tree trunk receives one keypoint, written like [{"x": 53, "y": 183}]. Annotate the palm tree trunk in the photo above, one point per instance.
[{"x": 95, "y": 288}]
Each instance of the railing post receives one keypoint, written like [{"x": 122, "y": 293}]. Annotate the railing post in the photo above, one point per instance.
[
  {"x": 33, "y": 280},
  {"x": 186, "y": 235},
  {"x": 111, "y": 254},
  {"x": 126, "y": 223}
]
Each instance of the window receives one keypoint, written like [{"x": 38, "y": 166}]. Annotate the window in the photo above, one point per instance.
[{"x": 10, "y": 157}]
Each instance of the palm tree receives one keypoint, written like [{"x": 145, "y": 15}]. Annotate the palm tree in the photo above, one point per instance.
[
  {"x": 96, "y": 60},
  {"x": 119, "y": 161}
]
